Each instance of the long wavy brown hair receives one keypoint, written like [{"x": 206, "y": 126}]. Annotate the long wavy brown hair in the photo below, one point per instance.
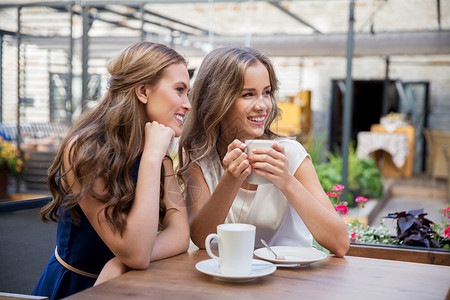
[
  {"x": 107, "y": 141},
  {"x": 219, "y": 82}
]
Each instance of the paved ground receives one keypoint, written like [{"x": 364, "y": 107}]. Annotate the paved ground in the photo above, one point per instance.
[
  {"x": 406, "y": 203},
  {"x": 415, "y": 193}
]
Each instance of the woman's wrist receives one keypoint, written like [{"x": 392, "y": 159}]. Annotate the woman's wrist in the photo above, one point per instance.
[
  {"x": 290, "y": 186},
  {"x": 152, "y": 157},
  {"x": 230, "y": 179}
]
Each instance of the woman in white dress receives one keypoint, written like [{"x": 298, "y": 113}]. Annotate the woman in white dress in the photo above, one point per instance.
[{"x": 233, "y": 100}]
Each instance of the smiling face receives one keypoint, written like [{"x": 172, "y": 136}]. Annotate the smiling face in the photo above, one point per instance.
[
  {"x": 248, "y": 114},
  {"x": 167, "y": 101}
]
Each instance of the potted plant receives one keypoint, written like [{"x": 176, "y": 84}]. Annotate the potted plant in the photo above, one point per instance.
[
  {"x": 11, "y": 162},
  {"x": 413, "y": 229},
  {"x": 418, "y": 239},
  {"x": 364, "y": 178}
]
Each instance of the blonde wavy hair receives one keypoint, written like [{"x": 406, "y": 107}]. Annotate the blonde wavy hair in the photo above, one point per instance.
[
  {"x": 107, "y": 140},
  {"x": 219, "y": 82}
]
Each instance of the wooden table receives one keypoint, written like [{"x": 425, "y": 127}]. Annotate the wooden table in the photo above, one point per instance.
[
  {"x": 388, "y": 168},
  {"x": 331, "y": 278}
]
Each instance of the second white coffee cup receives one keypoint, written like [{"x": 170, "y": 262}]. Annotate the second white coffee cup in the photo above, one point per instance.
[{"x": 236, "y": 244}]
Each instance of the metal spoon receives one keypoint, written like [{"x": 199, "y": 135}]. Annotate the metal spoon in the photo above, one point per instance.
[{"x": 270, "y": 249}]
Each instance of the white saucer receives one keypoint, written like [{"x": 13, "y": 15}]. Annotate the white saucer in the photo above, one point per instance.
[
  {"x": 260, "y": 268},
  {"x": 294, "y": 255}
]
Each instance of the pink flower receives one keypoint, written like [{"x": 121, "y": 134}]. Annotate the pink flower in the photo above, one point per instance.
[
  {"x": 338, "y": 187},
  {"x": 332, "y": 194},
  {"x": 446, "y": 212},
  {"x": 447, "y": 232},
  {"x": 361, "y": 200},
  {"x": 342, "y": 208}
]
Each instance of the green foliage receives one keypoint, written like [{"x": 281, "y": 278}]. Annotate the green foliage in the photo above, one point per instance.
[
  {"x": 361, "y": 233},
  {"x": 364, "y": 178},
  {"x": 315, "y": 147}
]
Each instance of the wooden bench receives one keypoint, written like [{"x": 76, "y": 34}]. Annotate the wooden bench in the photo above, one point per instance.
[{"x": 10, "y": 296}]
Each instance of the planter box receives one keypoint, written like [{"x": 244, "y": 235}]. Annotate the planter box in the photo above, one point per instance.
[
  {"x": 401, "y": 253},
  {"x": 365, "y": 215}
]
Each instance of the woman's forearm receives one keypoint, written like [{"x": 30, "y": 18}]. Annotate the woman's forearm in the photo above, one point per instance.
[
  {"x": 325, "y": 225},
  {"x": 171, "y": 241},
  {"x": 214, "y": 211},
  {"x": 135, "y": 246},
  {"x": 112, "y": 269}
]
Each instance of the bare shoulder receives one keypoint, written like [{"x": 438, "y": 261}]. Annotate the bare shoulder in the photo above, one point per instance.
[
  {"x": 168, "y": 166},
  {"x": 194, "y": 170},
  {"x": 195, "y": 181}
]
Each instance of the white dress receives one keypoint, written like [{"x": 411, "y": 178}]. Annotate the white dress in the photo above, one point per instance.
[{"x": 267, "y": 208}]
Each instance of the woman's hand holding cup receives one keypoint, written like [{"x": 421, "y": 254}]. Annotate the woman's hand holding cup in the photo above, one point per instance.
[{"x": 236, "y": 161}]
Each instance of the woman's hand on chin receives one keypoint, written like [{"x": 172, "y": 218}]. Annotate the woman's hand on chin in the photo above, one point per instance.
[{"x": 158, "y": 137}]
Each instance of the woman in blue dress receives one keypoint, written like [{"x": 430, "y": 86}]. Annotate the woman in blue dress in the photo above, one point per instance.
[{"x": 115, "y": 196}]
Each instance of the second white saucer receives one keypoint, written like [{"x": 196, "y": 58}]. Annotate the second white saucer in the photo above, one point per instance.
[{"x": 293, "y": 255}]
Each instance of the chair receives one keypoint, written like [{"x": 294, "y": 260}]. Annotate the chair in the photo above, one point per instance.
[
  {"x": 447, "y": 156},
  {"x": 9, "y": 296},
  {"x": 26, "y": 245},
  {"x": 35, "y": 174},
  {"x": 295, "y": 115},
  {"x": 437, "y": 162}
]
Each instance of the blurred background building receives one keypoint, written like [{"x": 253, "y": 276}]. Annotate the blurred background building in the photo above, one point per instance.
[{"x": 54, "y": 56}]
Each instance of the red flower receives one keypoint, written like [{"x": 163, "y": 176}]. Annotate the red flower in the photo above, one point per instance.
[
  {"x": 332, "y": 194},
  {"x": 353, "y": 237},
  {"x": 342, "y": 208},
  {"x": 447, "y": 232},
  {"x": 338, "y": 187}
]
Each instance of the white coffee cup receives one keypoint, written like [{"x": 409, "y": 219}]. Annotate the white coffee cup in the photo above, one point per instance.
[
  {"x": 236, "y": 245},
  {"x": 254, "y": 178}
]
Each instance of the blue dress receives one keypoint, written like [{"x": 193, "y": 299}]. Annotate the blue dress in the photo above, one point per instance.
[{"x": 80, "y": 247}]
